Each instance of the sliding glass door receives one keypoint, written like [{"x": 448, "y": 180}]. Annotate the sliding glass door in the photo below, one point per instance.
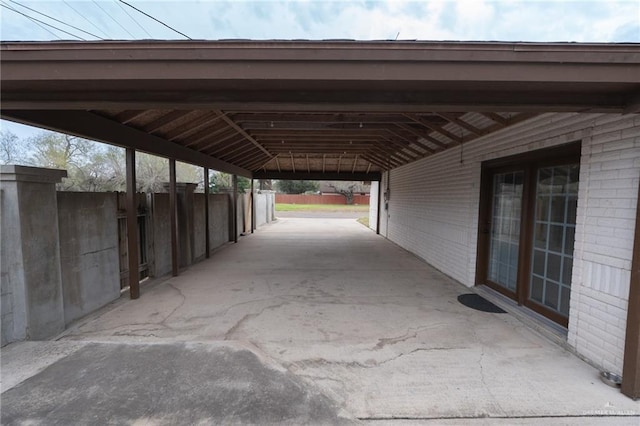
[
  {"x": 527, "y": 229},
  {"x": 554, "y": 234},
  {"x": 505, "y": 229}
]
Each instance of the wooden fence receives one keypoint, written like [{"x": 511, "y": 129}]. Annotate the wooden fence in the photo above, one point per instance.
[{"x": 319, "y": 199}]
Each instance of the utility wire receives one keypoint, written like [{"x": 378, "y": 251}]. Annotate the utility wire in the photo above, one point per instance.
[
  {"x": 133, "y": 19},
  {"x": 157, "y": 20},
  {"x": 42, "y": 22},
  {"x": 37, "y": 23},
  {"x": 113, "y": 19},
  {"x": 54, "y": 19},
  {"x": 85, "y": 18}
]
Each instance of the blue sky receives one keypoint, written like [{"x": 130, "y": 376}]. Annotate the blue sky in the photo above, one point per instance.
[{"x": 470, "y": 20}]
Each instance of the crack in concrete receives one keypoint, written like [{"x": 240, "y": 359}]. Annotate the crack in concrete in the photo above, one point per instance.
[
  {"x": 483, "y": 380},
  {"x": 311, "y": 362},
  {"x": 229, "y": 308},
  {"x": 247, "y": 317},
  {"x": 414, "y": 351},
  {"x": 387, "y": 341},
  {"x": 184, "y": 298}
]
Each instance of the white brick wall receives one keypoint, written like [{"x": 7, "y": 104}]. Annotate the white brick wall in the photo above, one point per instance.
[{"x": 433, "y": 212}]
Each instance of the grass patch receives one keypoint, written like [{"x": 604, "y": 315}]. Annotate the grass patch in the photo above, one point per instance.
[
  {"x": 282, "y": 207},
  {"x": 364, "y": 221}
]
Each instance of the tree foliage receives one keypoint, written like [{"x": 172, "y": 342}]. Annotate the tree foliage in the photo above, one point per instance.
[
  {"x": 348, "y": 189},
  {"x": 223, "y": 182},
  {"x": 91, "y": 166},
  {"x": 11, "y": 150},
  {"x": 297, "y": 186}
]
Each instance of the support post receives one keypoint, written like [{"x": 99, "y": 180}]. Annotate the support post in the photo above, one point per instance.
[
  {"x": 132, "y": 225},
  {"x": 378, "y": 207},
  {"x": 631, "y": 364},
  {"x": 253, "y": 209},
  {"x": 207, "y": 240},
  {"x": 235, "y": 208},
  {"x": 173, "y": 206}
]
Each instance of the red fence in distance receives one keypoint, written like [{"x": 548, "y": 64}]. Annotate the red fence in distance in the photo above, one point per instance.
[{"x": 319, "y": 199}]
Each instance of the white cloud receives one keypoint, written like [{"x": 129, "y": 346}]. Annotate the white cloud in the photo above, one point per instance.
[{"x": 509, "y": 20}]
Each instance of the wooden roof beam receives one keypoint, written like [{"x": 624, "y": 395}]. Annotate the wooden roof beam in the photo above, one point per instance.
[
  {"x": 215, "y": 141},
  {"x": 438, "y": 129},
  {"x": 206, "y": 134},
  {"x": 423, "y": 135},
  {"x": 240, "y": 130},
  {"x": 165, "y": 119},
  {"x": 192, "y": 126},
  {"x": 457, "y": 120}
]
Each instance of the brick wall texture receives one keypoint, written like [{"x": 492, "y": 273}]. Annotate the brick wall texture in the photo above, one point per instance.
[{"x": 433, "y": 212}]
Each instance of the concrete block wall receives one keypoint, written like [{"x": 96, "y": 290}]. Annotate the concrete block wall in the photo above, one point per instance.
[
  {"x": 240, "y": 205},
  {"x": 161, "y": 228},
  {"x": 265, "y": 202},
  {"x": 199, "y": 249},
  {"x": 433, "y": 212},
  {"x": 373, "y": 207},
  {"x": 10, "y": 268},
  {"x": 219, "y": 207},
  {"x": 89, "y": 261}
]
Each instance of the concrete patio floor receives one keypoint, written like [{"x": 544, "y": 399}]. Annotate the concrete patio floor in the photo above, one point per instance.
[{"x": 364, "y": 326}]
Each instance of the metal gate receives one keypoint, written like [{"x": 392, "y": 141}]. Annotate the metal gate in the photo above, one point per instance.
[{"x": 143, "y": 239}]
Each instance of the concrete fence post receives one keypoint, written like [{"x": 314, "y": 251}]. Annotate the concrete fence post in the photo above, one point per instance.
[{"x": 32, "y": 298}]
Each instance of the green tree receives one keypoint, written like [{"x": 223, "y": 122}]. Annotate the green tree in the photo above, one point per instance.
[
  {"x": 73, "y": 154},
  {"x": 223, "y": 182},
  {"x": 92, "y": 166},
  {"x": 297, "y": 186},
  {"x": 349, "y": 189}
]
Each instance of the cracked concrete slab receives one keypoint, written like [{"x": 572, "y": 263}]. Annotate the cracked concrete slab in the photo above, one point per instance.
[
  {"x": 372, "y": 327},
  {"x": 165, "y": 384}
]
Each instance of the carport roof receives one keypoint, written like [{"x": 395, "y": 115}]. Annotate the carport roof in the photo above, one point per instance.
[{"x": 307, "y": 109}]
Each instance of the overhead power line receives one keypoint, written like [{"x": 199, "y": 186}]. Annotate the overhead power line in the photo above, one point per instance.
[
  {"x": 133, "y": 19},
  {"x": 54, "y": 19},
  {"x": 37, "y": 23},
  {"x": 42, "y": 22},
  {"x": 113, "y": 19},
  {"x": 85, "y": 18},
  {"x": 157, "y": 20}
]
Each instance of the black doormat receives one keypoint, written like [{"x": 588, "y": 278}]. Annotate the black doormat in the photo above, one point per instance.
[{"x": 479, "y": 303}]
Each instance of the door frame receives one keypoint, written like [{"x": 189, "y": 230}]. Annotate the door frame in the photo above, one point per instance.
[{"x": 528, "y": 162}]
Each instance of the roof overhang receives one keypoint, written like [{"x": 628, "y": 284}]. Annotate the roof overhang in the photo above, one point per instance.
[{"x": 294, "y": 108}]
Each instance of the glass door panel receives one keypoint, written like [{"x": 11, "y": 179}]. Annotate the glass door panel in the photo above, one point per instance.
[
  {"x": 505, "y": 229},
  {"x": 556, "y": 201}
]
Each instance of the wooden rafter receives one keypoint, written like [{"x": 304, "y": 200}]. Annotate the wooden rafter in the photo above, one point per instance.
[
  {"x": 192, "y": 126},
  {"x": 438, "y": 129},
  {"x": 496, "y": 117},
  {"x": 457, "y": 120},
  {"x": 125, "y": 117},
  {"x": 423, "y": 135},
  {"x": 206, "y": 134},
  {"x": 164, "y": 120},
  {"x": 258, "y": 140},
  {"x": 240, "y": 130}
]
